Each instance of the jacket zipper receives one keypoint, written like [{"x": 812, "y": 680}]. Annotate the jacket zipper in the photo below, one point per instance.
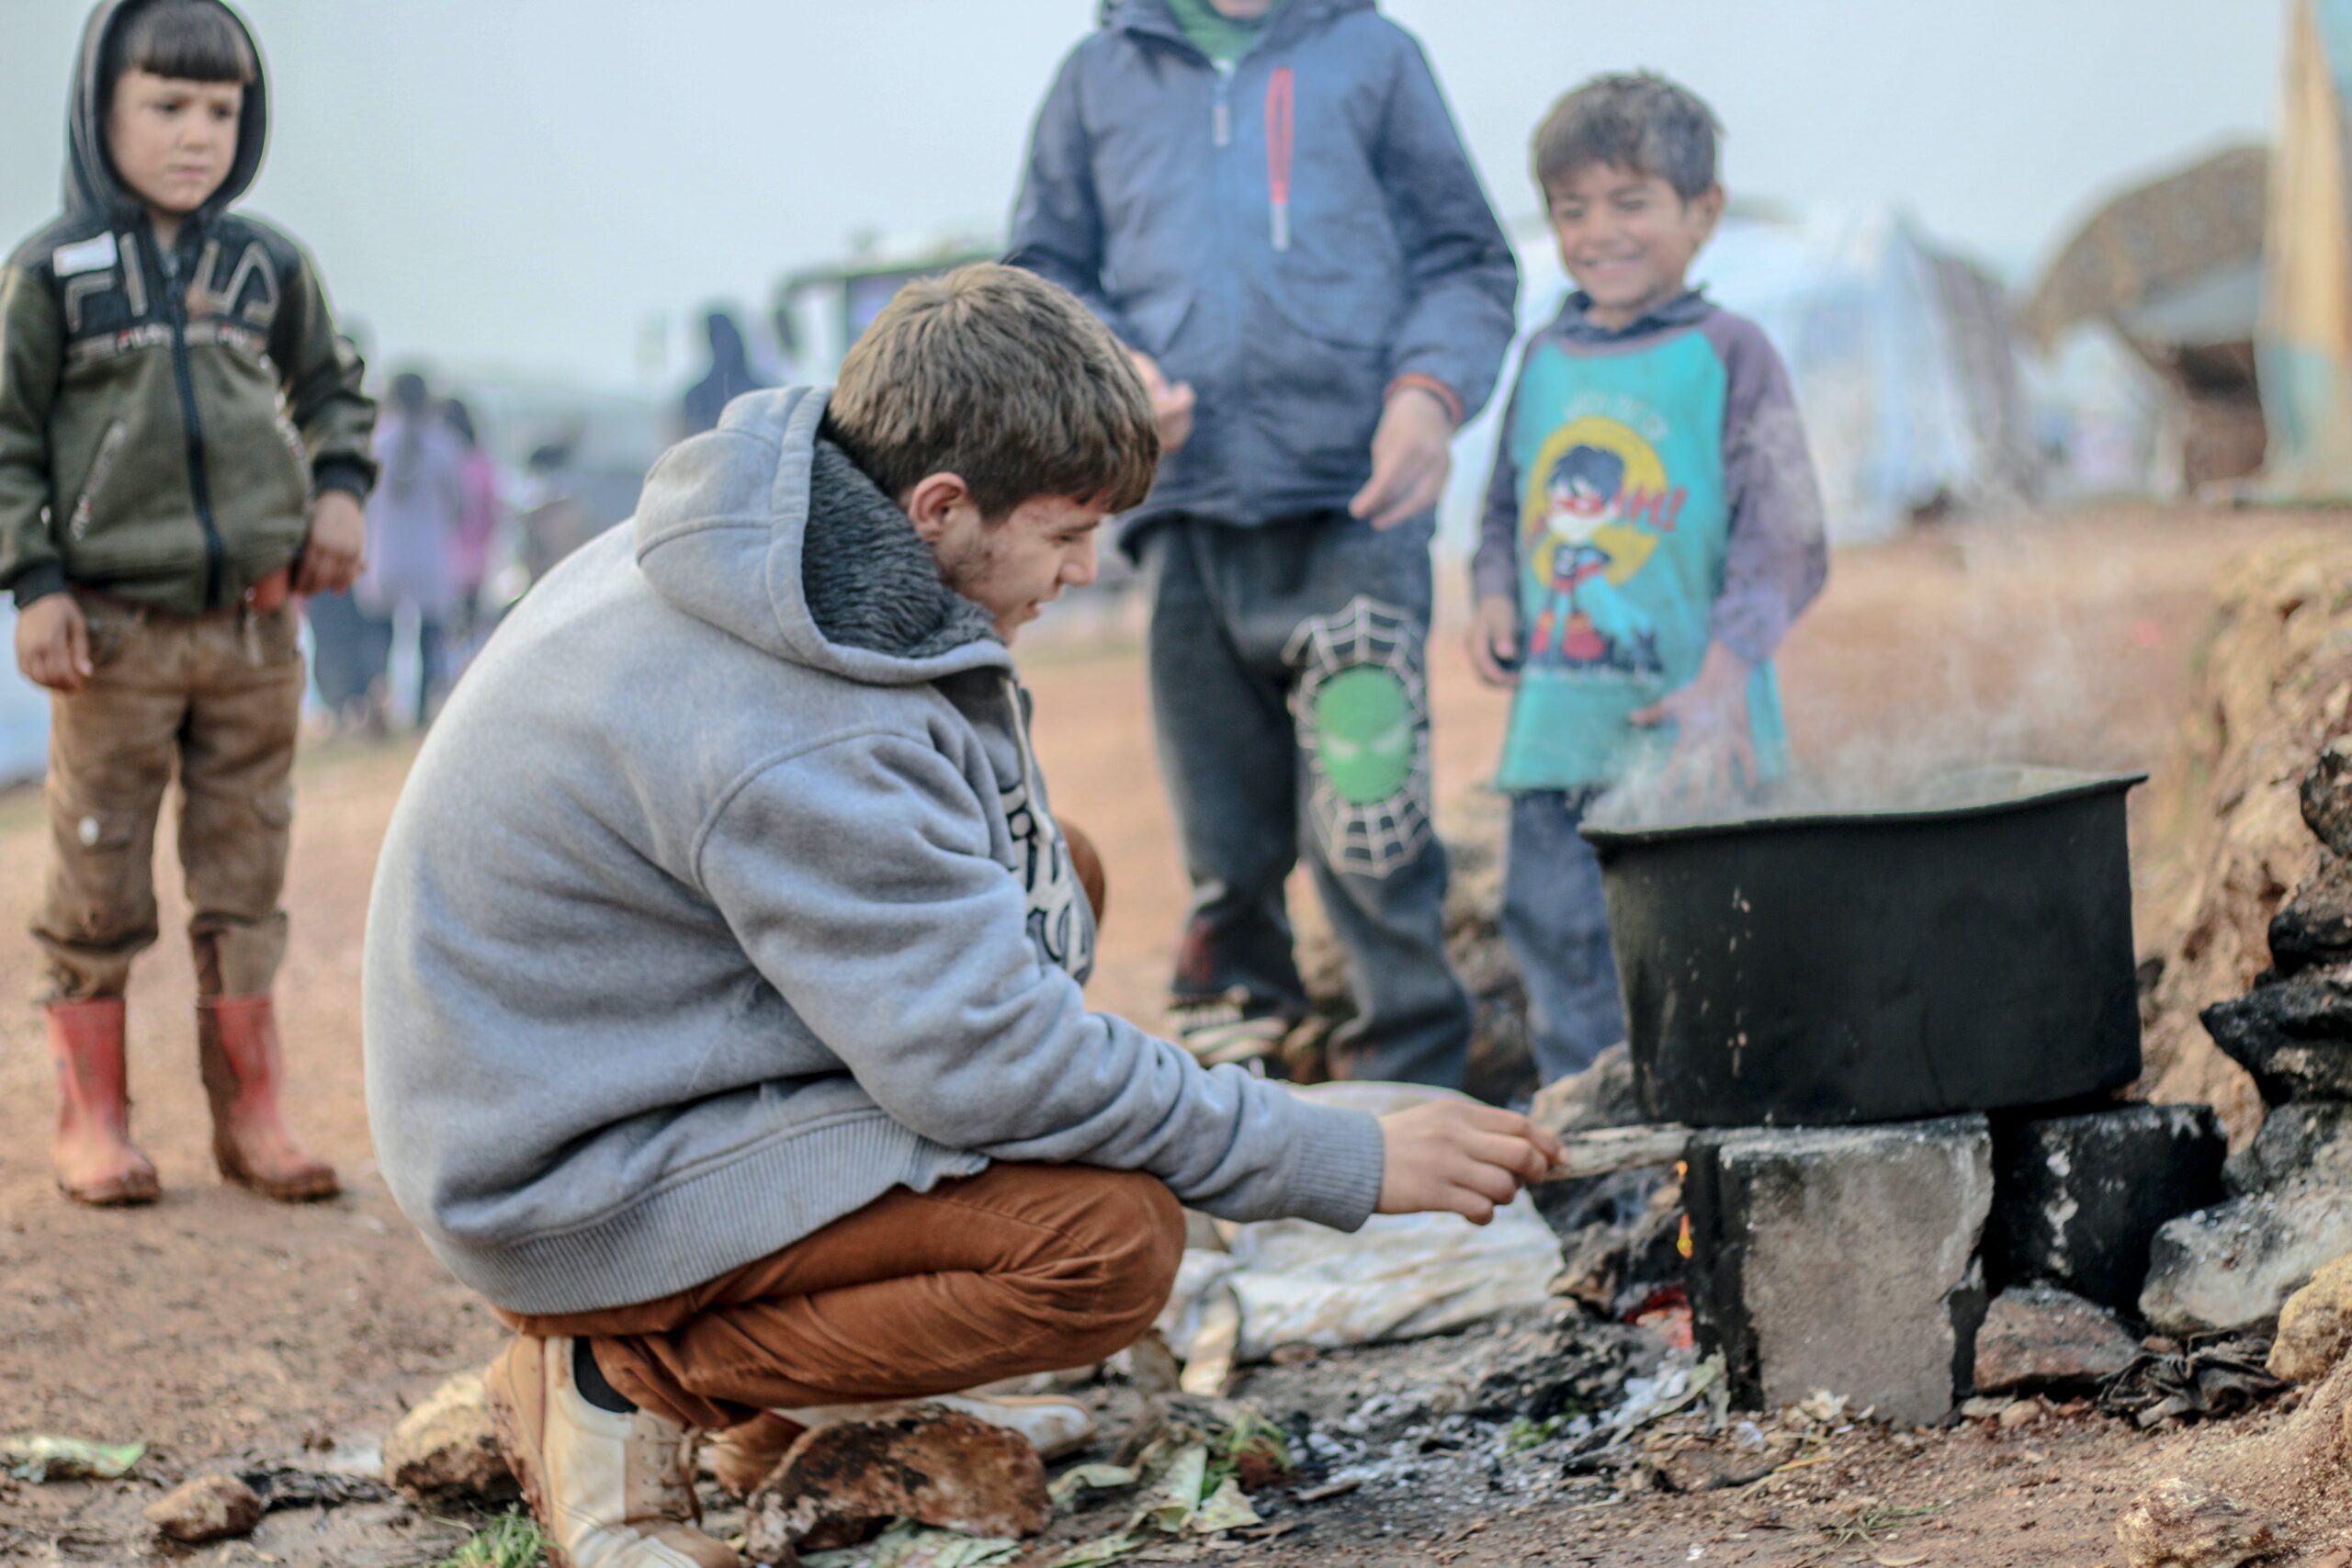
[
  {"x": 1282, "y": 117},
  {"x": 199, "y": 489},
  {"x": 1221, "y": 120},
  {"x": 102, "y": 466}
]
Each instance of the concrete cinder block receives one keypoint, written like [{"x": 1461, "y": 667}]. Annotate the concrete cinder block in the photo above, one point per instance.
[
  {"x": 2078, "y": 1199},
  {"x": 1844, "y": 1260}
]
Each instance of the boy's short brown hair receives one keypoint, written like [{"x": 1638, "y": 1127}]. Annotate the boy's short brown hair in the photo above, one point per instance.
[
  {"x": 189, "y": 40},
  {"x": 1636, "y": 121},
  {"x": 1004, "y": 379}
]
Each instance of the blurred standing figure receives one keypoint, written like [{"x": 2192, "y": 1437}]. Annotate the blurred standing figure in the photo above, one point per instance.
[
  {"x": 477, "y": 523},
  {"x": 414, "y": 522},
  {"x": 731, "y": 376}
]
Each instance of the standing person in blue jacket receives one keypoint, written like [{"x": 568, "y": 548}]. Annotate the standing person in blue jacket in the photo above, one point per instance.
[{"x": 1267, "y": 202}]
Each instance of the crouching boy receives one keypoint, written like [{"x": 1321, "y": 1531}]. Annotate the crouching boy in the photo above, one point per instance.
[{"x": 722, "y": 989}]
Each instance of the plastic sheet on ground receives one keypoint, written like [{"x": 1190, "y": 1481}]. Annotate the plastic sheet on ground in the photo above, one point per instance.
[
  {"x": 917, "y": 1546},
  {"x": 1401, "y": 1277},
  {"x": 39, "y": 1457}
]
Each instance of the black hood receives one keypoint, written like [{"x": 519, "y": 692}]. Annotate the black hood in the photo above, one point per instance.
[{"x": 90, "y": 182}]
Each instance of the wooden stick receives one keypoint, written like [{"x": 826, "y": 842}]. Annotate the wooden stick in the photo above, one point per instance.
[{"x": 1604, "y": 1151}]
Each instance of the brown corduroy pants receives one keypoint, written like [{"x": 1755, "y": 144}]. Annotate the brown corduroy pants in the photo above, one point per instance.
[{"x": 1021, "y": 1268}]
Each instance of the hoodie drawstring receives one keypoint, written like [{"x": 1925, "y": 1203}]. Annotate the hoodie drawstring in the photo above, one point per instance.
[{"x": 1282, "y": 111}]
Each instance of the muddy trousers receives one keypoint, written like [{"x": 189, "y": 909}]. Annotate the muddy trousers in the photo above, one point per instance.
[
  {"x": 1021, "y": 1268},
  {"x": 1291, "y": 715},
  {"x": 219, "y": 700}
]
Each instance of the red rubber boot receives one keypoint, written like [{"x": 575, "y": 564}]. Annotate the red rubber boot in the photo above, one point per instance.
[
  {"x": 93, "y": 1154},
  {"x": 243, "y": 1064}
]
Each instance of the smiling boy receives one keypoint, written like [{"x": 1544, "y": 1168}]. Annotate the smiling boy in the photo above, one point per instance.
[
  {"x": 1652, "y": 529},
  {"x": 723, "y": 1009},
  {"x": 183, "y": 445}
]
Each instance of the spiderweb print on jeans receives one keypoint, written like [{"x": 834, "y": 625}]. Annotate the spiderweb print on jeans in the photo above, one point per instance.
[{"x": 1361, "y": 709}]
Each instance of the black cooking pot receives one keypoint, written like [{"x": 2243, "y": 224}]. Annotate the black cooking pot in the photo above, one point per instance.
[{"x": 1971, "y": 953}]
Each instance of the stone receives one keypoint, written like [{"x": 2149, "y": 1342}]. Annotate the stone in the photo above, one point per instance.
[
  {"x": 446, "y": 1450},
  {"x": 2314, "y": 926},
  {"x": 211, "y": 1507},
  {"x": 939, "y": 1468},
  {"x": 2233, "y": 1266},
  {"x": 2182, "y": 1524},
  {"x": 2326, "y": 797},
  {"x": 2314, "y": 1327},
  {"x": 2078, "y": 1199},
  {"x": 2294, "y": 1035},
  {"x": 2038, "y": 1337},
  {"x": 2303, "y": 1140},
  {"x": 1600, "y": 1096},
  {"x": 1843, "y": 1259}
]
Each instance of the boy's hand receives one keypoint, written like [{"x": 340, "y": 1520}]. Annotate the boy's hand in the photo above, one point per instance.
[
  {"x": 1458, "y": 1156},
  {"x": 1714, "y": 758},
  {"x": 53, "y": 643},
  {"x": 335, "y": 550},
  {"x": 1411, "y": 455},
  {"x": 1494, "y": 639},
  {"x": 1171, "y": 405}
]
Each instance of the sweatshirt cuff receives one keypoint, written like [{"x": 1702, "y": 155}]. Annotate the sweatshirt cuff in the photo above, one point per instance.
[
  {"x": 1492, "y": 572},
  {"x": 1751, "y": 631},
  {"x": 1342, "y": 1157},
  {"x": 352, "y": 479},
  {"x": 38, "y": 582}
]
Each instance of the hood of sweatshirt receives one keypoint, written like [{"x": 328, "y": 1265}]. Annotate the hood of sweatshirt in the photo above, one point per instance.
[
  {"x": 91, "y": 184},
  {"x": 1295, "y": 17},
  {"x": 767, "y": 530}
]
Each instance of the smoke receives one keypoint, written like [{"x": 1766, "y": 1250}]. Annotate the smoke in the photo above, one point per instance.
[{"x": 1974, "y": 649}]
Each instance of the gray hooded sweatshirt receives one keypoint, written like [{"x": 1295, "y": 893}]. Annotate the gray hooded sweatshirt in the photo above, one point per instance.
[{"x": 725, "y": 897}]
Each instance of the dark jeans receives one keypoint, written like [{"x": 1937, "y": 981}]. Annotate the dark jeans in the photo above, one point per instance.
[
  {"x": 1557, "y": 930},
  {"x": 1291, "y": 717}
]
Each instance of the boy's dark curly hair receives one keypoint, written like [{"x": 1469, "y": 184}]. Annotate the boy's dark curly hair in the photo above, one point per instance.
[{"x": 1635, "y": 121}]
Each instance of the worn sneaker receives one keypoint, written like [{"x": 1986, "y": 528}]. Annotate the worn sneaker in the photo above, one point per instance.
[
  {"x": 611, "y": 1491},
  {"x": 1233, "y": 1027},
  {"x": 742, "y": 1457}
]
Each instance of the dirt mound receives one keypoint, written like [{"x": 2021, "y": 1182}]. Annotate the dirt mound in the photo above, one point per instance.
[{"x": 2220, "y": 841}]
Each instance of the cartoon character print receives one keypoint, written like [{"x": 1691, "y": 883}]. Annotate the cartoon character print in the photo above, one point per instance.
[{"x": 1595, "y": 514}]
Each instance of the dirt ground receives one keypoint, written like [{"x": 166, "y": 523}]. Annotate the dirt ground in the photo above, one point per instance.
[{"x": 221, "y": 1329}]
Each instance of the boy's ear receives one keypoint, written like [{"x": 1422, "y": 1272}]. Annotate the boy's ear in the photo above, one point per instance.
[
  {"x": 931, "y": 501},
  {"x": 1707, "y": 210}
]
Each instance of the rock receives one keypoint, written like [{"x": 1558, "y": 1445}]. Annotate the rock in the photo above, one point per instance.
[
  {"x": 2326, "y": 797},
  {"x": 2233, "y": 1266},
  {"x": 1600, "y": 1096},
  {"x": 941, "y": 1468},
  {"x": 2078, "y": 1199},
  {"x": 2038, "y": 1337},
  {"x": 2314, "y": 927},
  {"x": 211, "y": 1507},
  {"x": 446, "y": 1450},
  {"x": 2314, "y": 1327},
  {"x": 1843, "y": 1259},
  {"x": 2306, "y": 1142},
  {"x": 2294, "y": 1035},
  {"x": 2179, "y": 1524}
]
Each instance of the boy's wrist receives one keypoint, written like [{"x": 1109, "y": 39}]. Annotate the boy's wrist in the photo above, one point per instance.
[{"x": 1414, "y": 380}]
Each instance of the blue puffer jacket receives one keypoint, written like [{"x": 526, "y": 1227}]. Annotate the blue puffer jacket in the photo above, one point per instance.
[{"x": 1289, "y": 238}]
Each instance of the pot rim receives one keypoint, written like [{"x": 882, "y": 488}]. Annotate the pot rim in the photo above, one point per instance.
[{"x": 2053, "y": 785}]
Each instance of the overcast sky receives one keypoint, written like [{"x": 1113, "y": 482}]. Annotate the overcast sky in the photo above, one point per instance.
[{"x": 525, "y": 183}]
